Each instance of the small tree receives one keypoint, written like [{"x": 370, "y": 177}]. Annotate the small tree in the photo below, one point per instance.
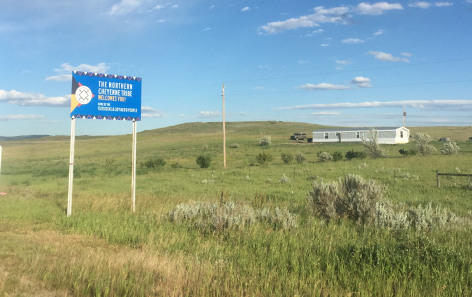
[
  {"x": 300, "y": 157},
  {"x": 422, "y": 143},
  {"x": 264, "y": 158},
  {"x": 204, "y": 161},
  {"x": 372, "y": 145},
  {"x": 450, "y": 148},
  {"x": 337, "y": 156},
  {"x": 286, "y": 157}
]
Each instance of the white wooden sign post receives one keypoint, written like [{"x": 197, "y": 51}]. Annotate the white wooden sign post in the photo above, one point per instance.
[{"x": 104, "y": 97}]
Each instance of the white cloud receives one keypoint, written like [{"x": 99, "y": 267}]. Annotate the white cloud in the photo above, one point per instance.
[
  {"x": 321, "y": 15},
  {"x": 323, "y": 86},
  {"x": 425, "y": 5},
  {"x": 14, "y": 117},
  {"x": 65, "y": 71},
  {"x": 162, "y": 6},
  {"x": 149, "y": 112},
  {"x": 302, "y": 62},
  {"x": 125, "y": 7},
  {"x": 99, "y": 68},
  {"x": 343, "y": 62},
  {"x": 361, "y": 82},
  {"x": 352, "y": 41},
  {"x": 31, "y": 99},
  {"x": 444, "y": 4},
  {"x": 335, "y": 15},
  {"x": 209, "y": 114},
  {"x": 379, "y": 32},
  {"x": 387, "y": 57},
  {"x": 314, "y": 32},
  {"x": 61, "y": 77},
  {"x": 371, "y": 104},
  {"x": 377, "y": 8},
  {"x": 420, "y": 4},
  {"x": 326, "y": 113},
  {"x": 247, "y": 8}
]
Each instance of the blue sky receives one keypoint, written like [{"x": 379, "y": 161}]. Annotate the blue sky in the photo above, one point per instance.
[{"x": 344, "y": 63}]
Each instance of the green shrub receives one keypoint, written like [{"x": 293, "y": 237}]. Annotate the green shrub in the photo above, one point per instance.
[
  {"x": 175, "y": 165},
  {"x": 410, "y": 152},
  {"x": 286, "y": 157},
  {"x": 234, "y": 145},
  {"x": 300, "y": 157},
  {"x": 324, "y": 156},
  {"x": 204, "y": 161},
  {"x": 450, "y": 148},
  {"x": 154, "y": 163},
  {"x": 264, "y": 158},
  {"x": 337, "y": 156},
  {"x": 355, "y": 155}
]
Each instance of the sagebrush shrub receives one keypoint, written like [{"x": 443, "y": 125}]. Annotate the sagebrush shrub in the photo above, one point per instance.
[
  {"x": 352, "y": 197},
  {"x": 324, "y": 156},
  {"x": 373, "y": 147},
  {"x": 217, "y": 217},
  {"x": 422, "y": 143},
  {"x": 284, "y": 179},
  {"x": 450, "y": 148},
  {"x": 360, "y": 200},
  {"x": 265, "y": 140},
  {"x": 300, "y": 157}
]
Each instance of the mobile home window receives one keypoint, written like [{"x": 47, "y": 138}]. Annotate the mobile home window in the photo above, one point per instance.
[
  {"x": 326, "y": 135},
  {"x": 401, "y": 134},
  {"x": 358, "y": 134}
]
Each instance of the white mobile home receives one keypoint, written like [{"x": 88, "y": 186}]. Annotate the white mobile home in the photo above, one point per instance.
[{"x": 385, "y": 135}]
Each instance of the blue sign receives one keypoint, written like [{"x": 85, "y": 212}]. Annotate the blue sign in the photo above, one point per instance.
[{"x": 105, "y": 96}]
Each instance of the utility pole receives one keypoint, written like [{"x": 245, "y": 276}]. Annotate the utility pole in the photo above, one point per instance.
[
  {"x": 224, "y": 126},
  {"x": 404, "y": 116}
]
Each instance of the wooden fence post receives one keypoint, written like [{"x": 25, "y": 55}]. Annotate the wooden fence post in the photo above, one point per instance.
[{"x": 437, "y": 179}]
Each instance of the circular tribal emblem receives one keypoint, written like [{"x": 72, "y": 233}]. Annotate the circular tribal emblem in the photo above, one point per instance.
[{"x": 83, "y": 94}]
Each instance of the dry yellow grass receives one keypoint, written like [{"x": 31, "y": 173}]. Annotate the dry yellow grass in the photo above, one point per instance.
[{"x": 26, "y": 257}]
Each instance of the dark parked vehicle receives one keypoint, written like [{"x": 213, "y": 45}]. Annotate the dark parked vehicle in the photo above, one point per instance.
[{"x": 298, "y": 136}]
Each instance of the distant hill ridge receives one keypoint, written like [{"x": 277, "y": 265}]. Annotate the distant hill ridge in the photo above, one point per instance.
[{"x": 6, "y": 138}]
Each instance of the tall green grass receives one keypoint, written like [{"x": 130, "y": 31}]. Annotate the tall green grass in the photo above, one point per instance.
[{"x": 105, "y": 250}]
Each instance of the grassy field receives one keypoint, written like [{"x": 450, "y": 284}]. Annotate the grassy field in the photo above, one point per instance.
[{"x": 263, "y": 241}]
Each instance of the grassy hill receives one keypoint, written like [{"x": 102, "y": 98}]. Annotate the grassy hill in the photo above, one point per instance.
[{"x": 246, "y": 230}]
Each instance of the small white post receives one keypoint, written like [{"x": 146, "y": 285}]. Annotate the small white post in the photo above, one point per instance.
[
  {"x": 133, "y": 169},
  {"x": 224, "y": 127},
  {"x": 71, "y": 166}
]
